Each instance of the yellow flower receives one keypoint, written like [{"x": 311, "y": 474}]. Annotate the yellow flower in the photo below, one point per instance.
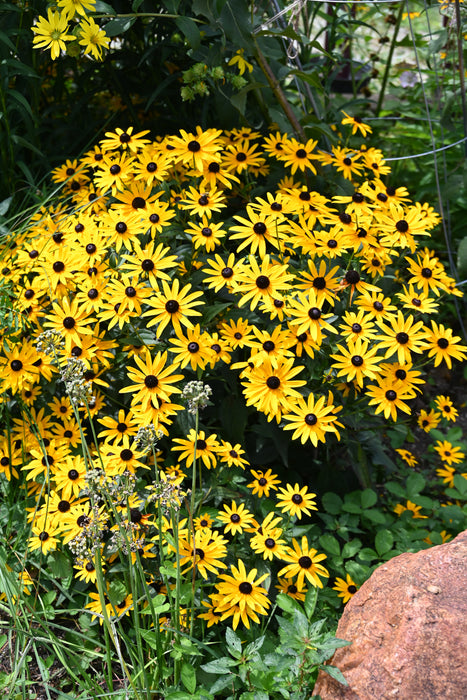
[
  {"x": 240, "y": 62},
  {"x": 51, "y": 33},
  {"x": 93, "y": 38}
]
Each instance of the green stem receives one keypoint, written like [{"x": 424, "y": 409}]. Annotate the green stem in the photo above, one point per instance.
[{"x": 389, "y": 60}]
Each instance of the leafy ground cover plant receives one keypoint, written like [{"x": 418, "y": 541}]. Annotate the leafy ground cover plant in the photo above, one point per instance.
[{"x": 195, "y": 317}]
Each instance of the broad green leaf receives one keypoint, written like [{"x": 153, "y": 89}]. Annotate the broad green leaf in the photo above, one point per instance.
[
  {"x": 375, "y": 516},
  {"x": 5, "y": 205},
  {"x": 351, "y": 548},
  {"x": 335, "y": 673},
  {"x": 221, "y": 665},
  {"x": 118, "y": 26},
  {"x": 384, "y": 541},
  {"x": 190, "y": 29},
  {"x": 332, "y": 503},
  {"x": 368, "y": 498},
  {"x": 415, "y": 484},
  {"x": 234, "y": 643},
  {"x": 330, "y": 544},
  {"x": 188, "y": 676}
]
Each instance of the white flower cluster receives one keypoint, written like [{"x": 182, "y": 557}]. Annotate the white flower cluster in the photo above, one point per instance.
[{"x": 197, "y": 396}]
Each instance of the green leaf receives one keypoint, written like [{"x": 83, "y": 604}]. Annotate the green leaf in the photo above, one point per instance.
[
  {"x": 384, "y": 541},
  {"x": 254, "y": 646},
  {"x": 104, "y": 8},
  {"x": 311, "y": 599},
  {"x": 368, "y": 498},
  {"x": 367, "y": 554},
  {"x": 188, "y": 676},
  {"x": 288, "y": 604},
  {"x": 20, "y": 99},
  {"x": 396, "y": 489},
  {"x": 460, "y": 482},
  {"x": 415, "y": 484},
  {"x": 221, "y": 665},
  {"x": 335, "y": 673},
  {"x": 351, "y": 507},
  {"x": 330, "y": 544},
  {"x": 234, "y": 22},
  {"x": 351, "y": 548},
  {"x": 234, "y": 643},
  {"x": 118, "y": 26},
  {"x": 332, "y": 503},
  {"x": 5, "y": 205},
  {"x": 375, "y": 516},
  {"x": 190, "y": 29}
]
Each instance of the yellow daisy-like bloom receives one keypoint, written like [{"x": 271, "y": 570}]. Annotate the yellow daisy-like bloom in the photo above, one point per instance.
[
  {"x": 256, "y": 282},
  {"x": 173, "y": 305},
  {"x": 404, "y": 373},
  {"x": 307, "y": 316},
  {"x": 357, "y": 325},
  {"x": 388, "y": 396},
  {"x": 417, "y": 300},
  {"x": 153, "y": 379},
  {"x": 93, "y": 38},
  {"x": 448, "y": 453},
  {"x": 346, "y": 588},
  {"x": 196, "y": 150},
  {"x": 445, "y": 405},
  {"x": 291, "y": 589},
  {"x": 407, "y": 456},
  {"x": 194, "y": 349},
  {"x": 241, "y": 597},
  {"x": 205, "y": 553},
  {"x": 71, "y": 7},
  {"x": 271, "y": 389},
  {"x": 124, "y": 139},
  {"x": 205, "y": 448},
  {"x": 409, "y": 506},
  {"x": 44, "y": 538},
  {"x": 51, "y": 33},
  {"x": 427, "y": 420},
  {"x": 203, "y": 203},
  {"x": 298, "y": 156},
  {"x": 323, "y": 281},
  {"x": 236, "y": 333},
  {"x": 312, "y": 419},
  {"x": 296, "y": 501},
  {"x": 402, "y": 337},
  {"x": 258, "y": 230},
  {"x": 263, "y": 482},
  {"x": 357, "y": 125},
  {"x": 442, "y": 345},
  {"x": 274, "y": 345},
  {"x": 236, "y": 518},
  {"x": 232, "y": 455},
  {"x": 305, "y": 564},
  {"x": 356, "y": 361},
  {"x": 206, "y": 235}
]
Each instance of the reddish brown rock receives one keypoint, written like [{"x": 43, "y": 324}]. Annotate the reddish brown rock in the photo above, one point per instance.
[{"x": 408, "y": 628}]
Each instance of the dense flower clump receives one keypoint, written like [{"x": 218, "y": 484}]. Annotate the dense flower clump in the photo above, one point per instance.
[{"x": 207, "y": 253}]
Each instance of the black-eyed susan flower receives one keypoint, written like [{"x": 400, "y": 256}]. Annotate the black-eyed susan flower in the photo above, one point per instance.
[
  {"x": 273, "y": 389},
  {"x": 410, "y": 507},
  {"x": 17, "y": 366},
  {"x": 256, "y": 231},
  {"x": 203, "y": 446},
  {"x": 305, "y": 563},
  {"x": 273, "y": 345},
  {"x": 150, "y": 262},
  {"x": 402, "y": 337},
  {"x": 235, "y": 518},
  {"x": 322, "y": 281},
  {"x": 442, "y": 345},
  {"x": 206, "y": 235},
  {"x": 92, "y": 38},
  {"x": 296, "y": 501},
  {"x": 446, "y": 407},
  {"x": 203, "y": 202},
  {"x": 114, "y": 170},
  {"x": 194, "y": 349},
  {"x": 268, "y": 542},
  {"x": 116, "y": 428},
  {"x": 44, "y": 537},
  {"x": 153, "y": 378},
  {"x": 387, "y": 396},
  {"x": 312, "y": 419},
  {"x": 241, "y": 156},
  {"x": 255, "y": 282},
  {"x": 196, "y": 150},
  {"x": 408, "y": 457},
  {"x": 232, "y": 455},
  {"x": 427, "y": 273},
  {"x": 356, "y": 124},
  {"x": 346, "y": 588},
  {"x": 409, "y": 377},
  {"x": 376, "y": 305},
  {"x": 288, "y": 587},
  {"x": 124, "y": 139},
  {"x": 240, "y": 596},
  {"x": 448, "y": 452},
  {"x": 357, "y": 361},
  {"x": 263, "y": 482},
  {"x": 298, "y": 156},
  {"x": 173, "y": 306},
  {"x": 417, "y": 300},
  {"x": 236, "y": 333},
  {"x": 427, "y": 420},
  {"x": 357, "y": 325},
  {"x": 205, "y": 553}
]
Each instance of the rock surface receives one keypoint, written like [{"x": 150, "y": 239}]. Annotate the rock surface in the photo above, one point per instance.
[{"x": 408, "y": 628}]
